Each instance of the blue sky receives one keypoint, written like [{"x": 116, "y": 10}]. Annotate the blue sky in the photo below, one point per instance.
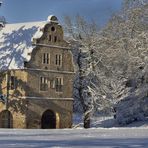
[{"x": 38, "y": 10}]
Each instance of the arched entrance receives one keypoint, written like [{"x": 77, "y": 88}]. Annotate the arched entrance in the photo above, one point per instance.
[
  {"x": 48, "y": 120},
  {"x": 6, "y": 119}
]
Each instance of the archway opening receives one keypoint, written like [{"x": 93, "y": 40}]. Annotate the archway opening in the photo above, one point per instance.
[
  {"x": 48, "y": 120},
  {"x": 6, "y": 119}
]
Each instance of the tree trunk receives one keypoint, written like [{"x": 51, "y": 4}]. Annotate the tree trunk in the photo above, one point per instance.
[
  {"x": 86, "y": 117},
  {"x": 81, "y": 88}
]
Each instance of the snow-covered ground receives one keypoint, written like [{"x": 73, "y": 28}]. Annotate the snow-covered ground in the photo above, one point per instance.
[
  {"x": 76, "y": 138},
  {"x": 106, "y": 122}
]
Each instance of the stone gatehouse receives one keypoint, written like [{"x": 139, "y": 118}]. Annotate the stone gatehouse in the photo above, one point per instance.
[{"x": 36, "y": 76}]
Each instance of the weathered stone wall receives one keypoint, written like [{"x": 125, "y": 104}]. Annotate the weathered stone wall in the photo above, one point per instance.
[
  {"x": 38, "y": 69},
  {"x": 18, "y": 112},
  {"x": 21, "y": 83},
  {"x": 16, "y": 105},
  {"x": 27, "y": 102},
  {"x": 36, "y": 56},
  {"x": 33, "y": 89},
  {"x": 36, "y": 59},
  {"x": 62, "y": 109}
]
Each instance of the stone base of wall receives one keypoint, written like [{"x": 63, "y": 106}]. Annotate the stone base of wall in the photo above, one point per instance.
[{"x": 35, "y": 112}]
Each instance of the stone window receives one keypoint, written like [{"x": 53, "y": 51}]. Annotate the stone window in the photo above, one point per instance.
[
  {"x": 44, "y": 85},
  {"x": 55, "y": 39},
  {"x": 50, "y": 38},
  {"x": 12, "y": 83},
  {"x": 53, "y": 28},
  {"x": 59, "y": 84},
  {"x": 58, "y": 61},
  {"x": 45, "y": 58}
]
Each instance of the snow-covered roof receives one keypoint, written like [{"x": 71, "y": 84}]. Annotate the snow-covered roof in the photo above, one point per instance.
[{"x": 16, "y": 43}]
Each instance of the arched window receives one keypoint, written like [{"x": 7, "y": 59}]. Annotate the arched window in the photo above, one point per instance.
[{"x": 6, "y": 119}]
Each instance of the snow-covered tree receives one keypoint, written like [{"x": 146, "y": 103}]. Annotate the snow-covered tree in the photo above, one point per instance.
[
  {"x": 94, "y": 75},
  {"x": 82, "y": 38},
  {"x": 112, "y": 62},
  {"x": 129, "y": 31}
]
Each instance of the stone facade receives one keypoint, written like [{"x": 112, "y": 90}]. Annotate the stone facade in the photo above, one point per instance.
[{"x": 40, "y": 95}]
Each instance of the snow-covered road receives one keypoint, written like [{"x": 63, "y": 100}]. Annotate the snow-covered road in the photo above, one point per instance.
[{"x": 77, "y": 138}]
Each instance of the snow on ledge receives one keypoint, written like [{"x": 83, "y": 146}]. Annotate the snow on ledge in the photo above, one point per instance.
[{"x": 48, "y": 98}]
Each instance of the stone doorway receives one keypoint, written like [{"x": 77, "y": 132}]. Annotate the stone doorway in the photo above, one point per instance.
[
  {"x": 6, "y": 119},
  {"x": 48, "y": 120}
]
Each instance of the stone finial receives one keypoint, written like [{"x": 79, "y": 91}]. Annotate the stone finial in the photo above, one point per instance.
[{"x": 52, "y": 18}]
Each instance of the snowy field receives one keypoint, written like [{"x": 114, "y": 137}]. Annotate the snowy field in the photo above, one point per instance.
[{"x": 76, "y": 138}]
